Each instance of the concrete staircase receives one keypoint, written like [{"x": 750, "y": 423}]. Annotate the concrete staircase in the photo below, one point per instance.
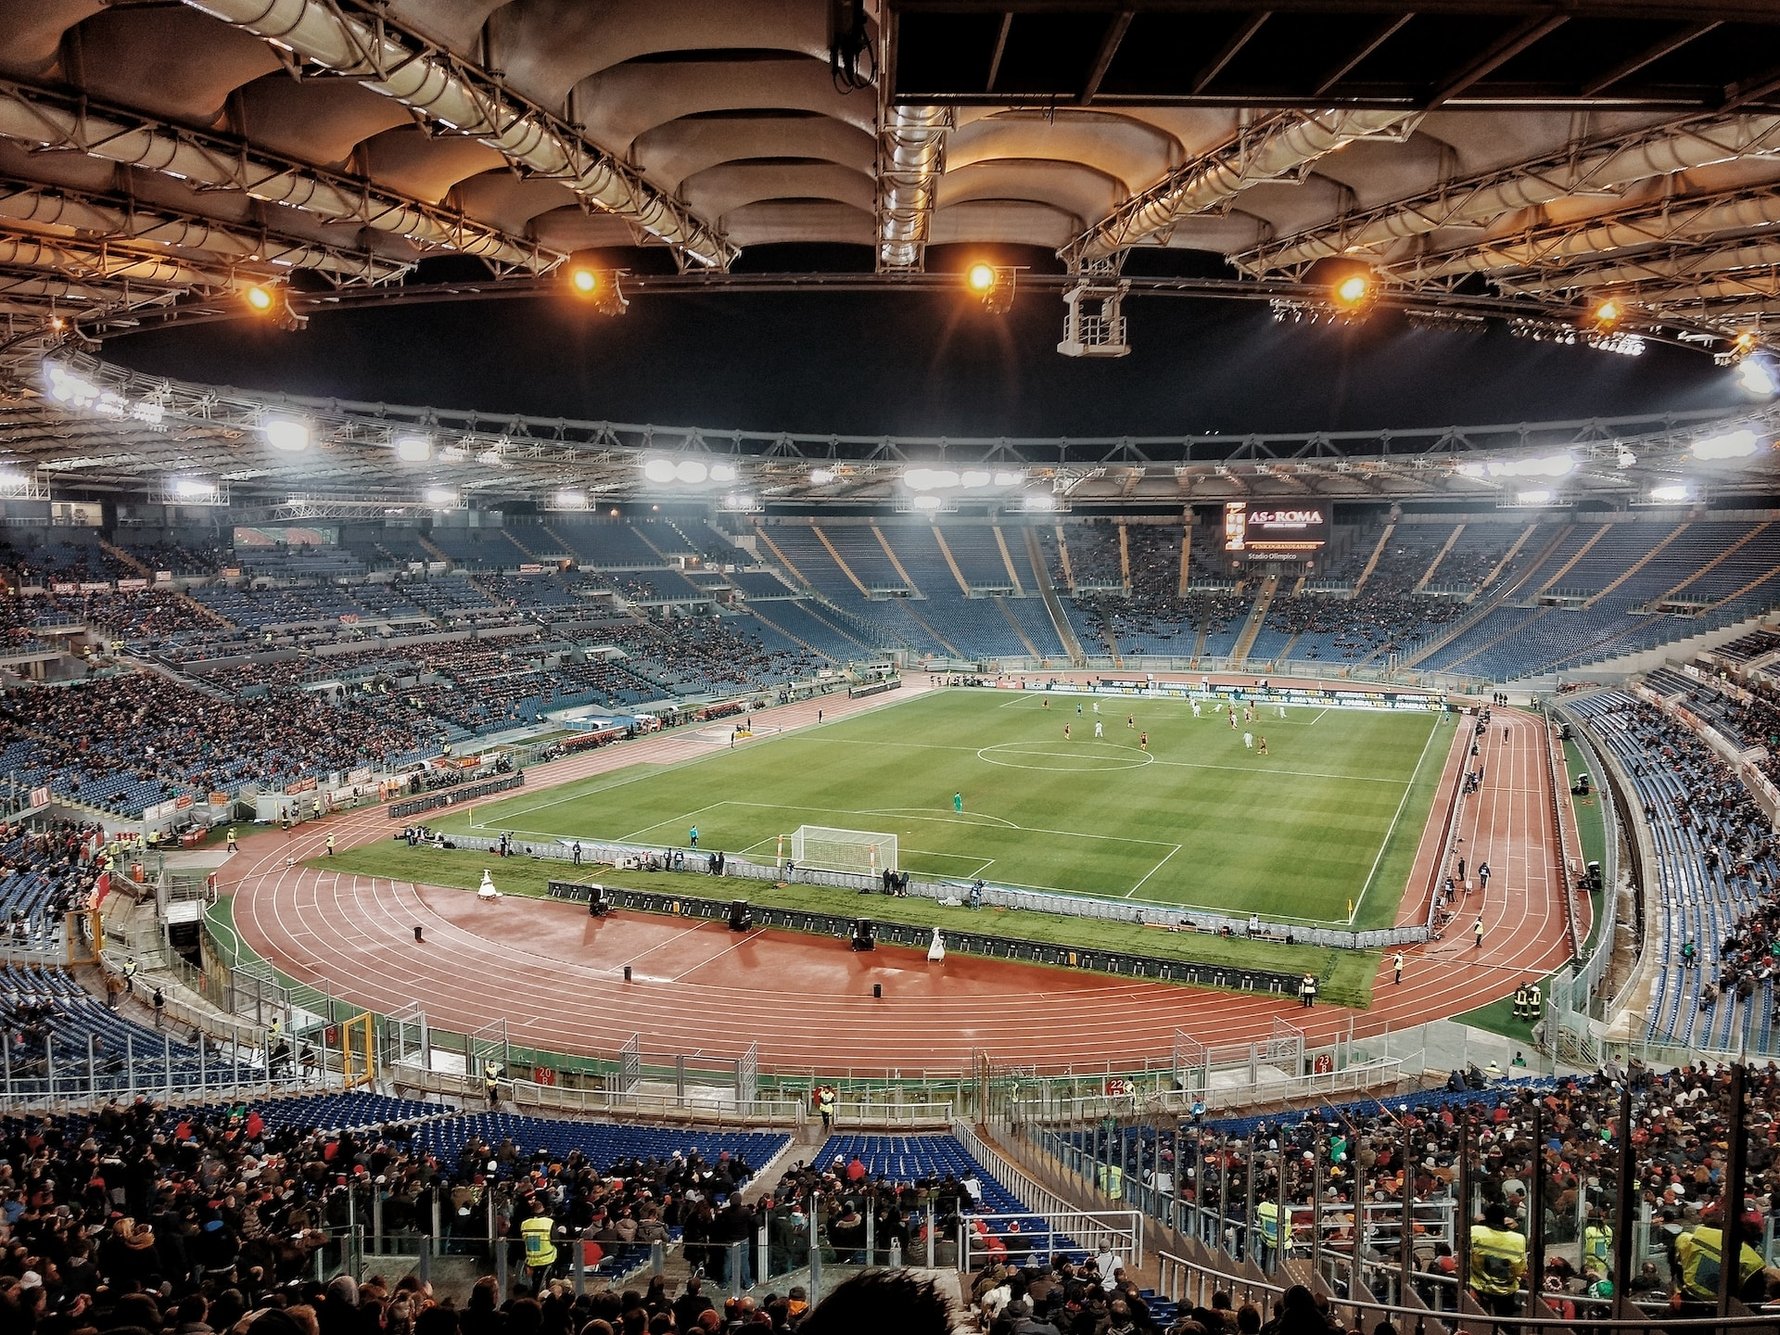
[{"x": 1257, "y": 615}]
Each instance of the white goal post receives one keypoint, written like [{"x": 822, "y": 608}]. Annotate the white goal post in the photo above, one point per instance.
[{"x": 822, "y": 848}]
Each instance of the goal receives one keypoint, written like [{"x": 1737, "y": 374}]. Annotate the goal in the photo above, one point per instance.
[{"x": 822, "y": 848}]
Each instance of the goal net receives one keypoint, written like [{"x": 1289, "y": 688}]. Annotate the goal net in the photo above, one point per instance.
[{"x": 824, "y": 849}]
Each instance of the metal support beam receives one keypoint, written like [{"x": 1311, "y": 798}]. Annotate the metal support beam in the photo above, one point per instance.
[
  {"x": 48, "y": 118},
  {"x": 911, "y": 158},
  {"x": 452, "y": 94},
  {"x": 1592, "y": 167},
  {"x": 1275, "y": 149}
]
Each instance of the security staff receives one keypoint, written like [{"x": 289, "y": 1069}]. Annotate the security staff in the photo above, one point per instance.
[
  {"x": 1497, "y": 1263},
  {"x": 540, "y": 1249},
  {"x": 1267, "y": 1216},
  {"x": 1597, "y": 1243},
  {"x": 1697, "y": 1256},
  {"x": 491, "y": 1083},
  {"x": 1534, "y": 1001},
  {"x": 1522, "y": 998}
]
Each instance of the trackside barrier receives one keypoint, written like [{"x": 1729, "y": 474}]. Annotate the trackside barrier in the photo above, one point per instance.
[
  {"x": 973, "y": 943},
  {"x": 664, "y": 858},
  {"x": 452, "y": 797}
]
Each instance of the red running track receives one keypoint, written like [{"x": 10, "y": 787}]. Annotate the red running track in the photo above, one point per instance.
[{"x": 556, "y": 975}]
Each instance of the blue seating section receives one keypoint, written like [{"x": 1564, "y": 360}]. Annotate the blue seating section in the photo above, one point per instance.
[
  {"x": 75, "y": 1026},
  {"x": 908, "y": 1158},
  {"x": 1673, "y": 773},
  {"x": 603, "y": 1143}
]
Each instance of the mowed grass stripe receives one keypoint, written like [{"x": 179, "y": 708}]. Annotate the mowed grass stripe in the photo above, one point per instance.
[{"x": 1292, "y": 835}]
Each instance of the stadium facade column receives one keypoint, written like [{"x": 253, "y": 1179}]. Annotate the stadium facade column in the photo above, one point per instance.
[
  {"x": 1623, "y": 1205},
  {"x": 1462, "y": 1219},
  {"x": 1730, "y": 1258},
  {"x": 1406, "y": 1250},
  {"x": 1536, "y": 1211}
]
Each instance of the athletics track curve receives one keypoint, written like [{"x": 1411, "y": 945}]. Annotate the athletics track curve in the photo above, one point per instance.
[{"x": 555, "y": 974}]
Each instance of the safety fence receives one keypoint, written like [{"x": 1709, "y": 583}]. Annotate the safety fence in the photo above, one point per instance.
[
  {"x": 456, "y": 796},
  {"x": 864, "y": 928}
]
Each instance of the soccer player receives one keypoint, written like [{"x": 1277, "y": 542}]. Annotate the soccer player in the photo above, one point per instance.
[
  {"x": 958, "y": 801},
  {"x": 1263, "y": 747},
  {"x": 1066, "y": 732},
  {"x": 1099, "y": 729},
  {"x": 1130, "y": 720},
  {"x": 692, "y": 836},
  {"x": 1195, "y": 709},
  {"x": 1143, "y": 741},
  {"x": 1248, "y": 741}
]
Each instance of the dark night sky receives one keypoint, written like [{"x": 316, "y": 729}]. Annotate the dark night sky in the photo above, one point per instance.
[{"x": 926, "y": 364}]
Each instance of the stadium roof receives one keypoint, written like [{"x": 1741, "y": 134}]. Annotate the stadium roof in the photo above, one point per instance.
[{"x": 1502, "y": 159}]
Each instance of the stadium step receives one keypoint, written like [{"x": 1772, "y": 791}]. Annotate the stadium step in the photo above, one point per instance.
[
  {"x": 1031, "y": 648},
  {"x": 902, "y": 571},
  {"x": 834, "y": 554},
  {"x": 1008, "y": 560},
  {"x": 1384, "y": 539},
  {"x": 779, "y": 556},
  {"x": 1434, "y": 565},
  {"x": 119, "y": 555},
  {"x": 951, "y": 561},
  {"x": 1041, "y": 572}
]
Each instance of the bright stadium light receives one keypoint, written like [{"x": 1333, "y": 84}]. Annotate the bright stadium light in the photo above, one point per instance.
[
  {"x": 259, "y": 299},
  {"x": 691, "y": 472},
  {"x": 193, "y": 489},
  {"x": 927, "y": 501},
  {"x": 1353, "y": 290},
  {"x": 440, "y": 496},
  {"x": 1008, "y": 477},
  {"x": 723, "y": 472},
  {"x": 1755, "y": 377},
  {"x": 414, "y": 449},
  {"x": 1739, "y": 444},
  {"x": 821, "y": 477},
  {"x": 1678, "y": 491},
  {"x": 1537, "y": 496},
  {"x": 1040, "y": 500},
  {"x": 659, "y": 470},
  {"x": 290, "y": 434},
  {"x": 570, "y": 499},
  {"x": 976, "y": 477},
  {"x": 12, "y": 480}
]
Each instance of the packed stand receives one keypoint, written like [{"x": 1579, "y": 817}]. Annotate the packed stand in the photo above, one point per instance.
[
  {"x": 1248, "y": 1184},
  {"x": 1716, "y": 867}
]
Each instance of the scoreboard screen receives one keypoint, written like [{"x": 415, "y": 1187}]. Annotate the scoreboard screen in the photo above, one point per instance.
[{"x": 1292, "y": 532}]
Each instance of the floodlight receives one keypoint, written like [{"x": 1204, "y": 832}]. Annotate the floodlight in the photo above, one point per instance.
[
  {"x": 259, "y": 299},
  {"x": 414, "y": 449},
  {"x": 1470, "y": 469},
  {"x": 599, "y": 286},
  {"x": 976, "y": 477},
  {"x": 691, "y": 471},
  {"x": 927, "y": 502},
  {"x": 11, "y": 480},
  {"x": 659, "y": 470},
  {"x": 1353, "y": 289},
  {"x": 723, "y": 472},
  {"x": 930, "y": 479},
  {"x": 1674, "y": 492},
  {"x": 1008, "y": 477},
  {"x": 1538, "y": 496},
  {"x": 440, "y": 496},
  {"x": 286, "y": 433},
  {"x": 992, "y": 284},
  {"x": 1040, "y": 500},
  {"x": 1755, "y": 376},
  {"x": 1608, "y": 312},
  {"x": 571, "y": 500},
  {"x": 821, "y": 477},
  {"x": 192, "y": 488},
  {"x": 1739, "y": 444}
]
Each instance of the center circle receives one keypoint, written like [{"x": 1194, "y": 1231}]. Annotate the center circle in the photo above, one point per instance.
[{"x": 1065, "y": 757}]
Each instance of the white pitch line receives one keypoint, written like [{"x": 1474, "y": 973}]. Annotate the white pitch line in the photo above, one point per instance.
[
  {"x": 1152, "y": 871},
  {"x": 1392, "y": 827}
]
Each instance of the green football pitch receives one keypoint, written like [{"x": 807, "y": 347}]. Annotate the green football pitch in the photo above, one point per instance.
[{"x": 1332, "y": 813}]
